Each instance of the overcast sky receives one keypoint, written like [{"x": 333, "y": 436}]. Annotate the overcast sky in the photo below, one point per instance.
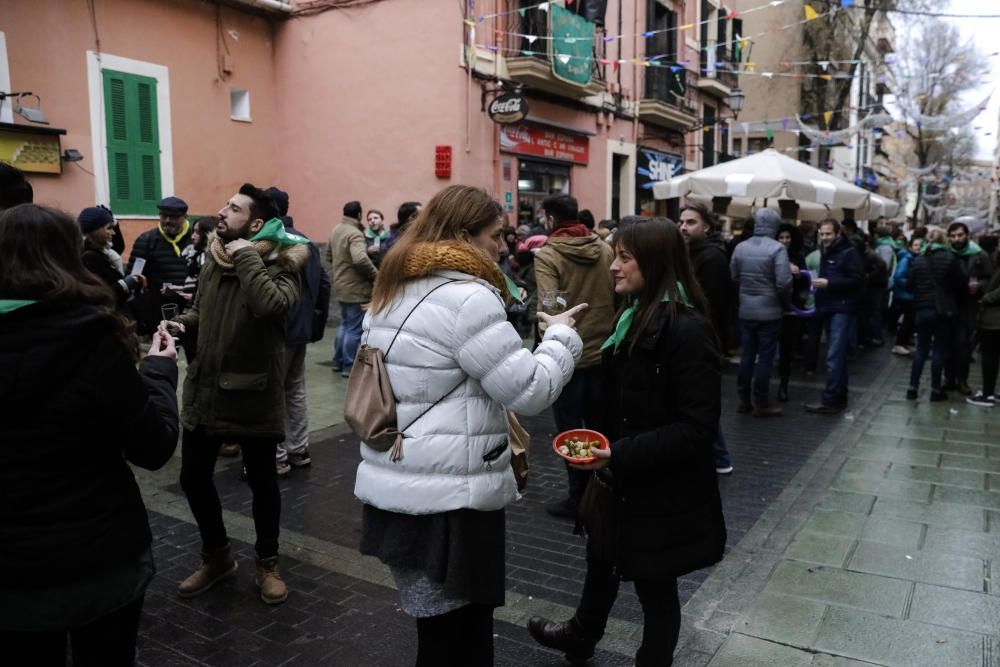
[{"x": 984, "y": 33}]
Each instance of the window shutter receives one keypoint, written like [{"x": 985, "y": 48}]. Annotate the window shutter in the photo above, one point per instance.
[{"x": 133, "y": 142}]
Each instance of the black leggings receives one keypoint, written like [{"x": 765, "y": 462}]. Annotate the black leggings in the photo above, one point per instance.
[
  {"x": 989, "y": 344},
  {"x": 460, "y": 638},
  {"x": 107, "y": 642},
  {"x": 198, "y": 454},
  {"x": 661, "y": 612}
]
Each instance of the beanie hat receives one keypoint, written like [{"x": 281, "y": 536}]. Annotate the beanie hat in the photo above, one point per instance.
[
  {"x": 94, "y": 217},
  {"x": 280, "y": 198}
]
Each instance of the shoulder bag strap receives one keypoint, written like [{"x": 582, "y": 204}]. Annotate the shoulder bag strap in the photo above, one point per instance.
[{"x": 400, "y": 329}]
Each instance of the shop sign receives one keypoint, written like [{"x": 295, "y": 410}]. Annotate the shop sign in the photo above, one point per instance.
[
  {"x": 571, "y": 49},
  {"x": 655, "y": 166},
  {"x": 508, "y": 108},
  {"x": 31, "y": 151},
  {"x": 544, "y": 142}
]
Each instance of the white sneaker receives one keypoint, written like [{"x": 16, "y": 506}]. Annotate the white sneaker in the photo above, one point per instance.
[
  {"x": 727, "y": 470},
  {"x": 901, "y": 350},
  {"x": 982, "y": 401}
]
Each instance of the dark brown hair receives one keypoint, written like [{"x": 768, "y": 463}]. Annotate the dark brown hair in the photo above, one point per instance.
[
  {"x": 456, "y": 209},
  {"x": 703, "y": 212},
  {"x": 41, "y": 249},
  {"x": 660, "y": 252}
]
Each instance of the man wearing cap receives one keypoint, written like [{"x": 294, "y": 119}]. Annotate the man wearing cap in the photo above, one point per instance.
[{"x": 160, "y": 249}]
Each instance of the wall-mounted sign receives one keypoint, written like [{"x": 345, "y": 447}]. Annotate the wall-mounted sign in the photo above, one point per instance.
[
  {"x": 31, "y": 150},
  {"x": 571, "y": 48},
  {"x": 654, "y": 166},
  {"x": 541, "y": 141},
  {"x": 508, "y": 108}
]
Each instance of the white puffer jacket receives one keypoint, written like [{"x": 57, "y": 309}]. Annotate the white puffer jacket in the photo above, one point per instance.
[{"x": 456, "y": 456}]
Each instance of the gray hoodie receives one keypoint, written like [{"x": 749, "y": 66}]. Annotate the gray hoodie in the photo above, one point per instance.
[{"x": 761, "y": 269}]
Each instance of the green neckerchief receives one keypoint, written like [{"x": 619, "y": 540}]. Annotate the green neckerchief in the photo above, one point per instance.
[
  {"x": 382, "y": 235},
  {"x": 889, "y": 241},
  {"x": 10, "y": 305},
  {"x": 625, "y": 320},
  {"x": 512, "y": 289},
  {"x": 970, "y": 249},
  {"x": 931, "y": 247},
  {"x": 173, "y": 241},
  {"x": 274, "y": 230}
]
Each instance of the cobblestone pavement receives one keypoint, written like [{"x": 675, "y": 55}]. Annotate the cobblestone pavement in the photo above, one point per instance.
[{"x": 819, "y": 512}]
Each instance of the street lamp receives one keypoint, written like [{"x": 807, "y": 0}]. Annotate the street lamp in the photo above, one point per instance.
[{"x": 736, "y": 99}]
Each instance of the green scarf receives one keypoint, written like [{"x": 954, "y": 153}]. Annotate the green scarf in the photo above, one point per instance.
[
  {"x": 382, "y": 235},
  {"x": 173, "y": 241},
  {"x": 931, "y": 247},
  {"x": 889, "y": 241},
  {"x": 274, "y": 230},
  {"x": 970, "y": 249},
  {"x": 10, "y": 305},
  {"x": 625, "y": 320},
  {"x": 512, "y": 289}
]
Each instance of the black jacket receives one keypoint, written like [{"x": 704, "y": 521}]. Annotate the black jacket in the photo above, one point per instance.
[
  {"x": 163, "y": 265},
  {"x": 711, "y": 268},
  {"x": 662, "y": 415},
  {"x": 73, "y": 412},
  {"x": 939, "y": 282},
  {"x": 841, "y": 265}
]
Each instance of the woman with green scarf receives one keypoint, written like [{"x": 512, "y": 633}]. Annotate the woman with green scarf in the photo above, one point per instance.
[{"x": 652, "y": 510}]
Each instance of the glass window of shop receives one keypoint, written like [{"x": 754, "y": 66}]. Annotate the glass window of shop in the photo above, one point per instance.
[
  {"x": 653, "y": 166},
  {"x": 537, "y": 180}
]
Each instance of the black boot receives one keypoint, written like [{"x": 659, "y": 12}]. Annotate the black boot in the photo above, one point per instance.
[{"x": 567, "y": 637}]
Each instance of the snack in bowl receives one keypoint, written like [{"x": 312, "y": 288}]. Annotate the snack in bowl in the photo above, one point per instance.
[{"x": 577, "y": 446}]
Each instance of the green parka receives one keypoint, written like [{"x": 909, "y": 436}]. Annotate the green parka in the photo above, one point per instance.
[{"x": 235, "y": 385}]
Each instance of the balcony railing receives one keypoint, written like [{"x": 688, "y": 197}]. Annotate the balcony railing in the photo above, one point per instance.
[
  {"x": 714, "y": 65},
  {"x": 536, "y": 23},
  {"x": 658, "y": 87}
]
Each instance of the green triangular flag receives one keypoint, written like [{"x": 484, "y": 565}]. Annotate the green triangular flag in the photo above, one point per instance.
[{"x": 521, "y": 11}]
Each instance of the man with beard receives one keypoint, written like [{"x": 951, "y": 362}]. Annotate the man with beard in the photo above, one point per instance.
[
  {"x": 161, "y": 251},
  {"x": 234, "y": 389},
  {"x": 711, "y": 267},
  {"x": 979, "y": 268}
]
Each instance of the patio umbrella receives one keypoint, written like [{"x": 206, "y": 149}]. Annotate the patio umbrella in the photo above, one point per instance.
[{"x": 767, "y": 175}]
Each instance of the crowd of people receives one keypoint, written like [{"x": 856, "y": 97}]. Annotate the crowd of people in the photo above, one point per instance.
[{"x": 622, "y": 327}]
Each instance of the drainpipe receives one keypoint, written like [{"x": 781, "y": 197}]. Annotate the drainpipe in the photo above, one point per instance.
[{"x": 281, "y": 6}]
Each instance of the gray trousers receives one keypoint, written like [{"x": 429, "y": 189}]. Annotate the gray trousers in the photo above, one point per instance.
[{"x": 296, "y": 409}]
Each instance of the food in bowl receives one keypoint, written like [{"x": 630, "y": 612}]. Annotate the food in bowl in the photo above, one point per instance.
[{"x": 578, "y": 448}]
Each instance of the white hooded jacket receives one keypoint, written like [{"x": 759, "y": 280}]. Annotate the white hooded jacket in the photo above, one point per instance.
[{"x": 456, "y": 456}]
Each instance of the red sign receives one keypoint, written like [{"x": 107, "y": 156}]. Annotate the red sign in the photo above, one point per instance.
[{"x": 546, "y": 142}]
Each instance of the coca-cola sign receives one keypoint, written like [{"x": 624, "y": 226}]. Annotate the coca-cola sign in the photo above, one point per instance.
[{"x": 508, "y": 108}]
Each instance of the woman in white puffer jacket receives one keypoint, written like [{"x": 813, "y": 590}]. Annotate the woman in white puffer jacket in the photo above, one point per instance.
[{"x": 435, "y": 516}]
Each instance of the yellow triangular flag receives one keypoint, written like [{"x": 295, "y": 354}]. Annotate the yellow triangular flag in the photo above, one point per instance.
[
  {"x": 827, "y": 115},
  {"x": 826, "y": 77},
  {"x": 686, "y": 26},
  {"x": 810, "y": 13}
]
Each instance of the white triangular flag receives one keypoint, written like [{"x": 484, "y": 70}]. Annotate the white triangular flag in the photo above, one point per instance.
[
  {"x": 825, "y": 64},
  {"x": 544, "y": 7},
  {"x": 563, "y": 58},
  {"x": 531, "y": 38}
]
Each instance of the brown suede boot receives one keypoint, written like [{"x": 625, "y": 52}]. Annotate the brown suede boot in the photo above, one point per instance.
[
  {"x": 215, "y": 566},
  {"x": 272, "y": 589}
]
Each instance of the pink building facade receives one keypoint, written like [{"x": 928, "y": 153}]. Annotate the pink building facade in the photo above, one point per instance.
[{"x": 382, "y": 103}]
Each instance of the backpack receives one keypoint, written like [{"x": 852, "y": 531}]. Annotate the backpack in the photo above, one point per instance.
[{"x": 370, "y": 405}]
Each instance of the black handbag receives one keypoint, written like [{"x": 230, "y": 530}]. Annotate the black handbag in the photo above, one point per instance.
[{"x": 597, "y": 517}]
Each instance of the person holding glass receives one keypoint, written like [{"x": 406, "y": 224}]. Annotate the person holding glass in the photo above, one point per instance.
[
  {"x": 652, "y": 510},
  {"x": 435, "y": 516},
  {"x": 74, "y": 412}
]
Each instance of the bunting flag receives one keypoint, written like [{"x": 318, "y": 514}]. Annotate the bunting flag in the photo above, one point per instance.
[
  {"x": 827, "y": 115},
  {"x": 811, "y": 14}
]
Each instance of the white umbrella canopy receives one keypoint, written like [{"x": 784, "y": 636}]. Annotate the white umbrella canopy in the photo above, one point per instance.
[
  {"x": 766, "y": 175},
  {"x": 743, "y": 207}
]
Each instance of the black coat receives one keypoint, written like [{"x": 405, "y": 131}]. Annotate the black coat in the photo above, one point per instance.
[
  {"x": 163, "y": 265},
  {"x": 842, "y": 266},
  {"x": 307, "y": 321},
  {"x": 939, "y": 282},
  {"x": 73, "y": 411},
  {"x": 662, "y": 415},
  {"x": 711, "y": 268}
]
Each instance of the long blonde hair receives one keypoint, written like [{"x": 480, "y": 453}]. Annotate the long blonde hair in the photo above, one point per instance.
[{"x": 452, "y": 211}]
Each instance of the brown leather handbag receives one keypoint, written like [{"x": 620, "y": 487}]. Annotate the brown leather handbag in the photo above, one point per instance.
[
  {"x": 370, "y": 404},
  {"x": 519, "y": 440}
]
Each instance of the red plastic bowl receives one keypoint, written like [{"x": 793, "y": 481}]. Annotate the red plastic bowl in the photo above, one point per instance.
[{"x": 583, "y": 434}]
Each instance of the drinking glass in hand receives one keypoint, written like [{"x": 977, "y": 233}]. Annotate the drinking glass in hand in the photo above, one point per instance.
[
  {"x": 555, "y": 301},
  {"x": 169, "y": 311}
]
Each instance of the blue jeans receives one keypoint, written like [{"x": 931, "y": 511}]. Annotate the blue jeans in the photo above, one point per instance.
[
  {"x": 839, "y": 329},
  {"x": 720, "y": 453},
  {"x": 345, "y": 346},
  {"x": 759, "y": 339},
  {"x": 933, "y": 331}
]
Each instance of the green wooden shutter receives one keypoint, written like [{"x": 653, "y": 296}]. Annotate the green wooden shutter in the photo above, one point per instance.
[{"x": 133, "y": 142}]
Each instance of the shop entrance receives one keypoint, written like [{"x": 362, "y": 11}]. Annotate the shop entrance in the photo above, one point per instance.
[{"x": 537, "y": 180}]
